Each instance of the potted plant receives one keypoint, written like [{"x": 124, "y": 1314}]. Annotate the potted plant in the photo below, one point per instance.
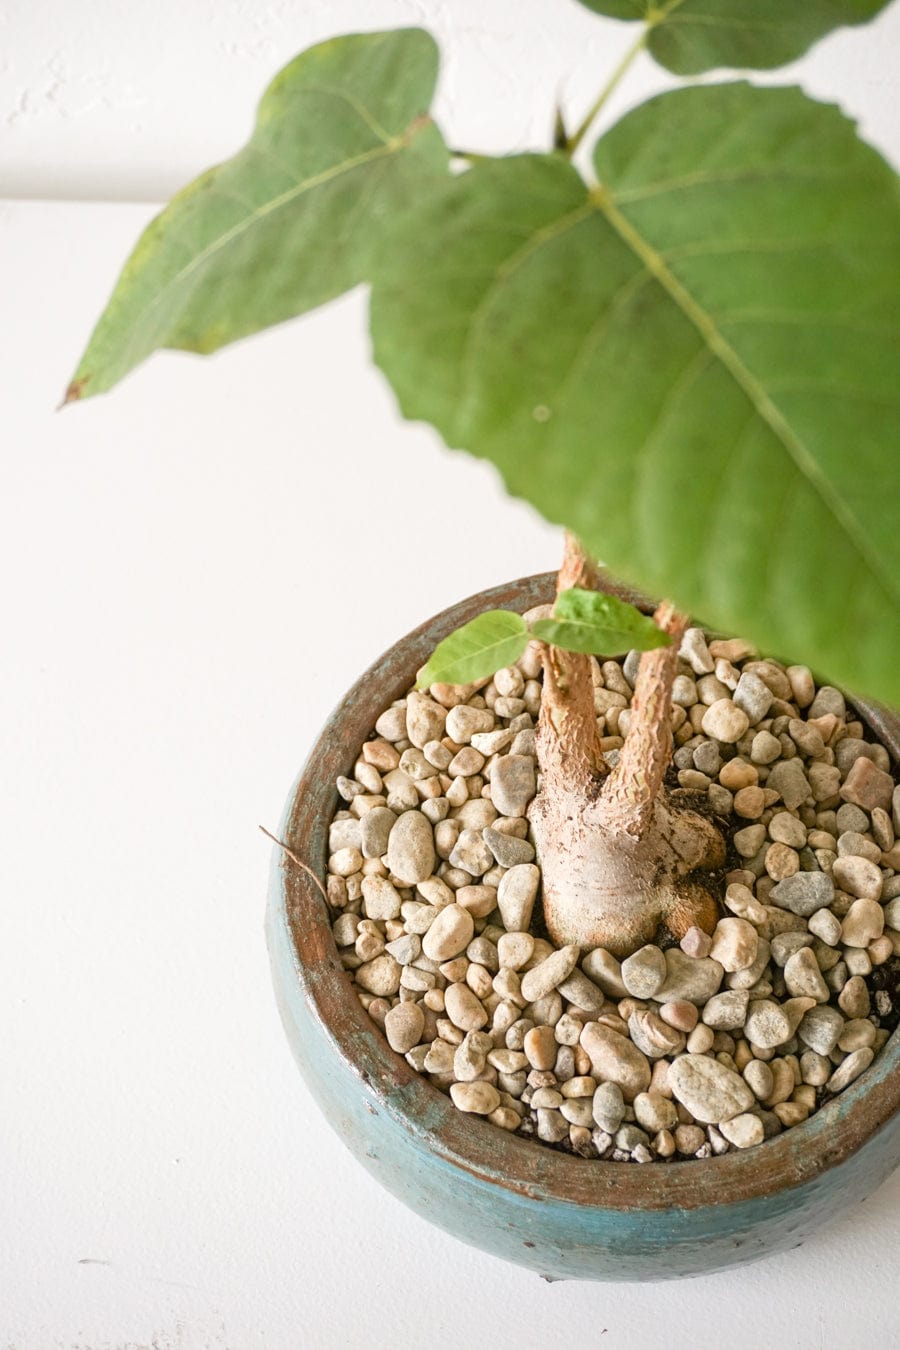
[{"x": 670, "y": 353}]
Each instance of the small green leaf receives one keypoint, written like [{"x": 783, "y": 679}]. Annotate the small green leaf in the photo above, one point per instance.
[
  {"x": 489, "y": 642},
  {"x": 598, "y": 624},
  {"x": 342, "y": 144},
  {"x": 690, "y": 36}
]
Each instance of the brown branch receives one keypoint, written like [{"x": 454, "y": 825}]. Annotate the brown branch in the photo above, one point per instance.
[
  {"x": 568, "y": 741},
  {"x": 635, "y": 783}
]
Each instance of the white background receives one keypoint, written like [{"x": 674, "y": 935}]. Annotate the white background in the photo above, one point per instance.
[{"x": 192, "y": 571}]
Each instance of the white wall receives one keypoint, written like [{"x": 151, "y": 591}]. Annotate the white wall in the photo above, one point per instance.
[{"x": 106, "y": 99}]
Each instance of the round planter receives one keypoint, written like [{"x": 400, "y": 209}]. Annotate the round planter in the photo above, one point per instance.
[{"x": 563, "y": 1216}]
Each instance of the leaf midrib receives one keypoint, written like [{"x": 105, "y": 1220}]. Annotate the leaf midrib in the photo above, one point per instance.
[{"x": 802, "y": 458}]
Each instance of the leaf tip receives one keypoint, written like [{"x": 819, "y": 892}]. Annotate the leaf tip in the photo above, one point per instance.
[{"x": 75, "y": 391}]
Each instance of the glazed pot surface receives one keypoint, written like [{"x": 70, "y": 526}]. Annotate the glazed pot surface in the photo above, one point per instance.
[{"x": 561, "y": 1215}]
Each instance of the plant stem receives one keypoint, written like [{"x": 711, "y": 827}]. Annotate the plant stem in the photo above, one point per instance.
[
  {"x": 607, "y": 91},
  {"x": 637, "y": 779},
  {"x": 570, "y": 754}
]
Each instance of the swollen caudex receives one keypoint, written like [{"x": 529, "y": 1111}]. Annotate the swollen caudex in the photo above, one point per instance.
[{"x": 680, "y": 1050}]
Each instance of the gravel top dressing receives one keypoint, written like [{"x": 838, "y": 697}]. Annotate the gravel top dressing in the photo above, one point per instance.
[{"x": 677, "y": 1051}]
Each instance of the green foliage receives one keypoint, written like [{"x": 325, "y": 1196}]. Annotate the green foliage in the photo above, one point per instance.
[
  {"x": 486, "y": 644},
  {"x": 598, "y": 624},
  {"x": 690, "y": 36},
  {"x": 694, "y": 366},
  {"x": 692, "y": 363},
  {"x": 582, "y": 621},
  {"x": 342, "y": 146}
]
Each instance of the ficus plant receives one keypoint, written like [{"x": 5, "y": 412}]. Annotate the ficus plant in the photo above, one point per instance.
[{"x": 685, "y": 354}]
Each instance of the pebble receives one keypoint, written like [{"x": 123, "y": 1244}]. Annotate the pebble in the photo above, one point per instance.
[
  {"x": 513, "y": 784},
  {"x": 724, "y": 721},
  {"x": 605, "y": 971},
  {"x": 652, "y": 1036},
  {"x": 767, "y": 1024},
  {"x": 696, "y": 943},
  {"x": 759, "y": 1078},
  {"x": 804, "y": 893},
  {"x": 863, "y": 922},
  {"x": 854, "y": 998},
  {"x": 753, "y": 696},
  {"x": 727, "y": 1011},
  {"x": 790, "y": 782},
  {"x": 695, "y": 651},
  {"x": 549, "y": 973},
  {"x": 380, "y": 976},
  {"x": 821, "y": 1029},
  {"x": 449, "y": 934},
  {"x": 516, "y": 895},
  {"x": 381, "y": 899},
  {"x": 615, "y": 1060},
  {"x": 695, "y": 980},
  {"x": 375, "y": 830},
  {"x": 644, "y": 973},
  {"x": 515, "y": 950},
  {"x": 859, "y": 877},
  {"x": 734, "y": 945},
  {"x": 744, "y": 1131},
  {"x": 710, "y": 1091},
  {"x": 410, "y": 851},
  {"x": 507, "y": 849},
  {"x": 540, "y": 1047},
  {"x": 608, "y": 1107},
  {"x": 470, "y": 853},
  {"x": 850, "y": 1069},
  {"x": 655, "y": 1112},
  {"x": 581, "y": 992},
  {"x": 867, "y": 786},
  {"x": 463, "y": 1008},
  {"x": 463, "y": 722},
  {"x": 803, "y": 977},
  {"x": 403, "y": 1026},
  {"x": 479, "y": 1099}
]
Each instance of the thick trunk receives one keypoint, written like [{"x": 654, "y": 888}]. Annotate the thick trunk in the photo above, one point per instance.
[{"x": 620, "y": 865}]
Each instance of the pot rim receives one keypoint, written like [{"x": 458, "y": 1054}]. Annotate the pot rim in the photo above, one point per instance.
[{"x": 474, "y": 1146}]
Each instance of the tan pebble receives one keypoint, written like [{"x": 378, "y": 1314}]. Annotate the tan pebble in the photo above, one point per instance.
[
  {"x": 680, "y": 1014},
  {"x": 735, "y": 943},
  {"x": 854, "y": 998},
  {"x": 664, "y": 1144},
  {"x": 791, "y": 1113},
  {"x": 749, "y": 803},
  {"x": 858, "y": 876},
  {"x": 881, "y": 950},
  {"x": 781, "y": 861},
  {"x": 614, "y": 1059},
  {"x": 743, "y": 1131},
  {"x": 737, "y": 774},
  {"x": 476, "y": 1098},
  {"x": 540, "y": 1047},
  {"x": 696, "y": 943},
  {"x": 689, "y": 1138},
  {"x": 463, "y": 1008},
  {"x": 700, "y": 1041},
  {"x": 449, "y": 934},
  {"x": 478, "y": 900},
  {"x": 403, "y": 1026},
  {"x": 863, "y": 923}
]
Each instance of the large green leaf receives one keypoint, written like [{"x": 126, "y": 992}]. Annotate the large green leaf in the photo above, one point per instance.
[
  {"x": 478, "y": 649},
  {"x": 342, "y": 143},
  {"x": 598, "y": 624},
  {"x": 689, "y": 36},
  {"x": 695, "y": 367}
]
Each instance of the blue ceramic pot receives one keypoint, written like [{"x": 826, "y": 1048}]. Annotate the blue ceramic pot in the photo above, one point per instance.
[{"x": 562, "y": 1216}]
